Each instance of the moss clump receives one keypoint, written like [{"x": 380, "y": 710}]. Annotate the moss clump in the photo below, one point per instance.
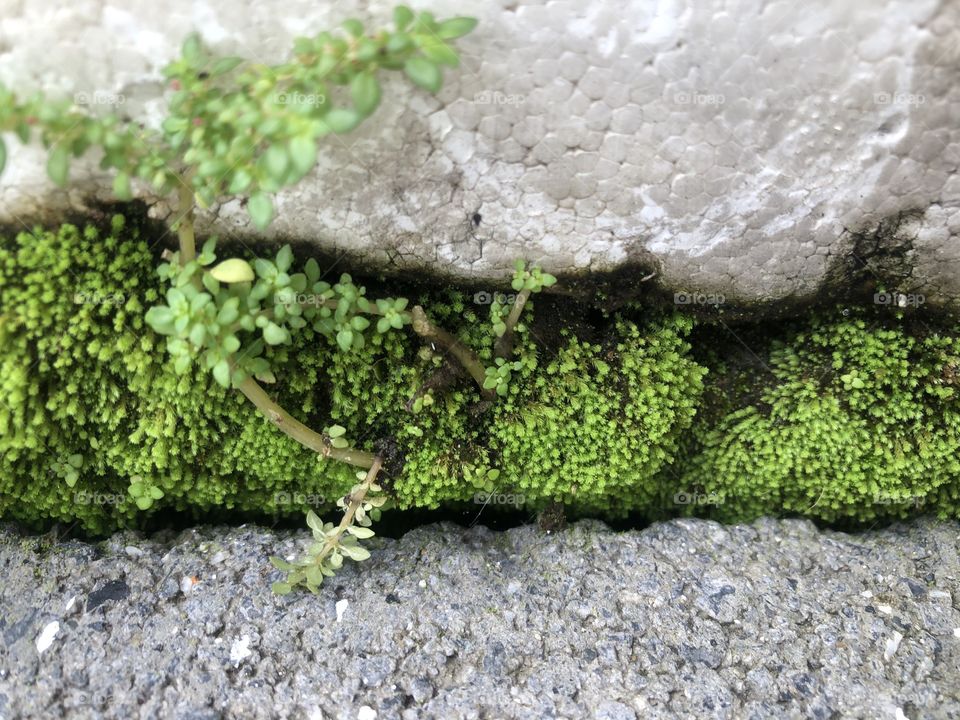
[
  {"x": 594, "y": 426},
  {"x": 93, "y": 419},
  {"x": 861, "y": 423},
  {"x": 84, "y": 379}
]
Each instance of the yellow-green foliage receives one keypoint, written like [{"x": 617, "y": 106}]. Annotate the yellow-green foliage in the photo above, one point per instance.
[
  {"x": 94, "y": 419},
  {"x": 858, "y": 421},
  {"x": 83, "y": 376},
  {"x": 862, "y": 422},
  {"x": 593, "y": 426}
]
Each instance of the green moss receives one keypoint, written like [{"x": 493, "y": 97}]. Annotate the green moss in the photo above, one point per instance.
[
  {"x": 861, "y": 423},
  {"x": 858, "y": 420},
  {"x": 593, "y": 426},
  {"x": 82, "y": 375}
]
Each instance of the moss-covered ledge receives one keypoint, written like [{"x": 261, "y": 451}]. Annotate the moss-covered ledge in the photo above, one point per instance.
[{"x": 847, "y": 415}]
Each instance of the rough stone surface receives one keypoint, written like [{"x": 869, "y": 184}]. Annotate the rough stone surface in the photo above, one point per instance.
[
  {"x": 740, "y": 148},
  {"x": 683, "y": 619}
]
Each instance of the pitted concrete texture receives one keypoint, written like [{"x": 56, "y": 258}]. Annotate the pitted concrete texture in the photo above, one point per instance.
[
  {"x": 687, "y": 619},
  {"x": 738, "y": 147}
]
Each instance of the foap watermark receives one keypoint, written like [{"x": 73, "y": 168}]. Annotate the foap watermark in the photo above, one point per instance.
[
  {"x": 487, "y": 298},
  {"x": 915, "y": 501},
  {"x": 299, "y": 98},
  {"x": 898, "y": 98},
  {"x": 898, "y": 299},
  {"x": 498, "y": 98},
  {"x": 698, "y": 298},
  {"x": 696, "y": 498},
  {"x": 97, "y": 298},
  {"x": 697, "y": 98},
  {"x": 289, "y": 299},
  {"x": 87, "y": 497},
  {"x": 298, "y": 499},
  {"x": 499, "y": 498},
  {"x": 98, "y": 97}
]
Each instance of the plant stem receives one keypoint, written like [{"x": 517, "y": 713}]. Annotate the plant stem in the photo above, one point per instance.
[
  {"x": 503, "y": 348},
  {"x": 469, "y": 359},
  {"x": 300, "y": 432},
  {"x": 185, "y": 232},
  {"x": 355, "y": 501}
]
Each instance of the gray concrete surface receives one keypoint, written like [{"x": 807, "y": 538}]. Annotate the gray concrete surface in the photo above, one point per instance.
[
  {"x": 686, "y": 619},
  {"x": 747, "y": 149}
]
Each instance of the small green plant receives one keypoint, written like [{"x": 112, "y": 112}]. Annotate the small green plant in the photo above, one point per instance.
[
  {"x": 68, "y": 469},
  {"x": 144, "y": 492},
  {"x": 239, "y": 128}
]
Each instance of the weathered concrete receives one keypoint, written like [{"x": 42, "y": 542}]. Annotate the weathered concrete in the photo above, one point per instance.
[
  {"x": 739, "y": 148},
  {"x": 685, "y": 619}
]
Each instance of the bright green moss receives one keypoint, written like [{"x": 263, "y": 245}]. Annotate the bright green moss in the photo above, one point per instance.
[
  {"x": 861, "y": 423},
  {"x": 593, "y": 426},
  {"x": 83, "y": 377},
  {"x": 857, "y": 421}
]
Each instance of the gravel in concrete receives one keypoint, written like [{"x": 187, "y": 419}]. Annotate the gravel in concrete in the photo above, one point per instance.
[{"x": 684, "y": 619}]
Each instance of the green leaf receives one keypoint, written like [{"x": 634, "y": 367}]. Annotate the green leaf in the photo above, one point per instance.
[
  {"x": 341, "y": 120},
  {"x": 354, "y": 27},
  {"x": 361, "y": 533},
  {"x": 239, "y": 182},
  {"x": 276, "y": 162},
  {"x": 345, "y": 339},
  {"x": 280, "y": 564},
  {"x": 439, "y": 52},
  {"x": 314, "y": 522},
  {"x": 58, "y": 165},
  {"x": 456, "y": 27},
  {"x": 221, "y": 373},
  {"x": 402, "y": 17},
  {"x": 303, "y": 153},
  {"x": 260, "y": 208},
  {"x": 273, "y": 334},
  {"x": 355, "y": 552},
  {"x": 281, "y": 588},
  {"x": 423, "y": 73},
  {"x": 144, "y": 502},
  {"x": 398, "y": 42},
  {"x": 225, "y": 65},
  {"x": 191, "y": 48},
  {"x": 230, "y": 311},
  {"x": 198, "y": 333},
  {"x": 365, "y": 91},
  {"x": 160, "y": 318},
  {"x": 234, "y": 270},
  {"x": 383, "y": 325},
  {"x": 284, "y": 258},
  {"x": 336, "y": 431}
]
